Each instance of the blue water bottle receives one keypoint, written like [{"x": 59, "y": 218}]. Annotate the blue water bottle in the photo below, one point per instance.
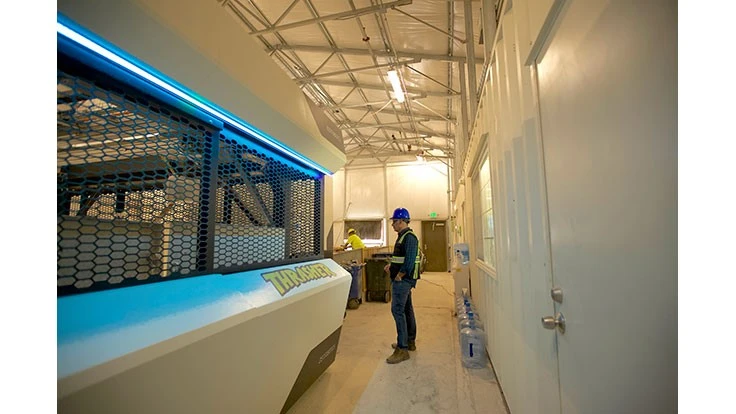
[
  {"x": 471, "y": 320},
  {"x": 472, "y": 345}
]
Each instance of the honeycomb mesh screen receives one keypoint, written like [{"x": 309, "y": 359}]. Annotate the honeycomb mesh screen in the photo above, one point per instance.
[
  {"x": 262, "y": 203},
  {"x": 146, "y": 193}
]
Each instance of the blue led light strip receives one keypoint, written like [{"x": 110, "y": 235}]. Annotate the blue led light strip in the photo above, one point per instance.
[{"x": 96, "y": 47}]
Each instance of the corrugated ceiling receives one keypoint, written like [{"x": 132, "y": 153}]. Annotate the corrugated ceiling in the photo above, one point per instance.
[{"x": 339, "y": 52}]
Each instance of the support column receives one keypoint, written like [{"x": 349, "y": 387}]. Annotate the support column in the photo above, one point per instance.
[{"x": 470, "y": 61}]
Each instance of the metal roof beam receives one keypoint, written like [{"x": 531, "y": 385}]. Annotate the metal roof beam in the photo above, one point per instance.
[
  {"x": 381, "y": 8},
  {"x": 425, "y": 132},
  {"x": 422, "y": 143},
  {"x": 288, "y": 9},
  {"x": 359, "y": 125},
  {"x": 431, "y": 26},
  {"x": 417, "y": 142},
  {"x": 340, "y": 72},
  {"x": 394, "y": 154},
  {"x": 365, "y": 52},
  {"x": 433, "y": 80},
  {"x": 378, "y": 139},
  {"x": 380, "y": 88},
  {"x": 470, "y": 53},
  {"x": 402, "y": 113},
  {"x": 448, "y": 119}
]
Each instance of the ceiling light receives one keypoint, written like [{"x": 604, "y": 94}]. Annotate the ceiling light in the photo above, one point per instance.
[
  {"x": 420, "y": 156},
  {"x": 393, "y": 76}
]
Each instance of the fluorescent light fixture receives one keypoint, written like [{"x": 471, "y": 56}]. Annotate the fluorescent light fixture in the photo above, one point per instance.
[
  {"x": 420, "y": 156},
  {"x": 98, "y": 47},
  {"x": 393, "y": 76}
]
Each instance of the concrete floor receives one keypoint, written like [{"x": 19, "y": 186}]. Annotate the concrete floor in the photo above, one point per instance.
[{"x": 432, "y": 381}]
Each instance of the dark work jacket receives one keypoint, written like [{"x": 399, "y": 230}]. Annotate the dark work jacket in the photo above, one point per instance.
[{"x": 405, "y": 237}]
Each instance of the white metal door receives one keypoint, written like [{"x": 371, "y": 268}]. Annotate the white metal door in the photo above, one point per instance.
[
  {"x": 608, "y": 107},
  {"x": 517, "y": 293}
]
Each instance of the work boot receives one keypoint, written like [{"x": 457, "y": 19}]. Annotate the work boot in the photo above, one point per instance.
[
  {"x": 412, "y": 346},
  {"x": 398, "y": 356}
]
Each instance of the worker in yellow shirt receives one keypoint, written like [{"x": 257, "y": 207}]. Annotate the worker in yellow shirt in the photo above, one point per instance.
[{"x": 353, "y": 241}]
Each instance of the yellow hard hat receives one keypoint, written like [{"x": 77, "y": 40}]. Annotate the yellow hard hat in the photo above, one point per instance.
[{"x": 351, "y": 231}]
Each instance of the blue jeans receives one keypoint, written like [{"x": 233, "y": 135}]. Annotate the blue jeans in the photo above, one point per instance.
[{"x": 403, "y": 311}]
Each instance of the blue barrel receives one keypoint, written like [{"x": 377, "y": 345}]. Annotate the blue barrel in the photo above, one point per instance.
[{"x": 355, "y": 284}]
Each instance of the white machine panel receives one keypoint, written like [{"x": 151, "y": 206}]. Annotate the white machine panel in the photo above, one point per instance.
[{"x": 245, "y": 342}]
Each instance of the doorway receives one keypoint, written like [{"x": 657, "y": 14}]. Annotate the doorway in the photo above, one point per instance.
[
  {"x": 434, "y": 245},
  {"x": 609, "y": 127}
]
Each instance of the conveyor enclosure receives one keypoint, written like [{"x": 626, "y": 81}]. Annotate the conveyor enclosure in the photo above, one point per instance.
[{"x": 200, "y": 166}]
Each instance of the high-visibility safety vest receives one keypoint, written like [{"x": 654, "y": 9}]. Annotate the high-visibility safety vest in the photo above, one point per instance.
[{"x": 397, "y": 259}]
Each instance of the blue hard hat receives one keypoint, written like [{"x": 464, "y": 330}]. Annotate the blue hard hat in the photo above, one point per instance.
[{"x": 400, "y": 214}]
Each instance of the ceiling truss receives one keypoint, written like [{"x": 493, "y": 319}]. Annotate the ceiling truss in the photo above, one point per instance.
[{"x": 377, "y": 128}]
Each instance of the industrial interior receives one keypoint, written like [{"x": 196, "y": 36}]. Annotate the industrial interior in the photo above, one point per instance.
[{"x": 213, "y": 155}]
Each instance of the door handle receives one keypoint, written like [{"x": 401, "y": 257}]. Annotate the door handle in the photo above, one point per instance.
[{"x": 552, "y": 322}]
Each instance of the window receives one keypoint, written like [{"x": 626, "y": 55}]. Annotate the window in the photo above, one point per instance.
[
  {"x": 370, "y": 231},
  {"x": 485, "y": 242}
]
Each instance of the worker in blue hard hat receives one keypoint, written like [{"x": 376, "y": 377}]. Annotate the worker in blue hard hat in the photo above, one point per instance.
[{"x": 404, "y": 272}]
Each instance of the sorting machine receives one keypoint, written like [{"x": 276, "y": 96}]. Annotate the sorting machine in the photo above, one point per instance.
[{"x": 190, "y": 188}]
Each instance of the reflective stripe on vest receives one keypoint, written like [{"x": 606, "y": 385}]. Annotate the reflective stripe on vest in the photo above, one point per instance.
[{"x": 400, "y": 260}]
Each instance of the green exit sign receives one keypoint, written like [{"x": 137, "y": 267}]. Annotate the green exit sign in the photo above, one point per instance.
[{"x": 433, "y": 215}]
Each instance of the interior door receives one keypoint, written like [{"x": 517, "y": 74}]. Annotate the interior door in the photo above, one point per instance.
[
  {"x": 434, "y": 245},
  {"x": 608, "y": 107}
]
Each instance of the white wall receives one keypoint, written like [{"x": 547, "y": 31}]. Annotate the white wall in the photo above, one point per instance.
[
  {"x": 374, "y": 193},
  {"x": 514, "y": 297},
  {"x": 421, "y": 188},
  {"x": 365, "y": 196},
  {"x": 336, "y": 198}
]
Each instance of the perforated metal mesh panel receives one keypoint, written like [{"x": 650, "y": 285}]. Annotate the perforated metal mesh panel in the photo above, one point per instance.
[
  {"x": 147, "y": 193},
  {"x": 262, "y": 204}
]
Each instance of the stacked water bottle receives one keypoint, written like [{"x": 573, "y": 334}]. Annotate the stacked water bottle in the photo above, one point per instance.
[{"x": 472, "y": 335}]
